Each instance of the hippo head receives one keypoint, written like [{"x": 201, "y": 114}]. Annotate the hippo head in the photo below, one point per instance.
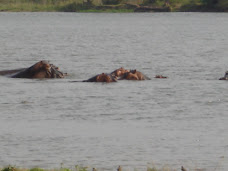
[
  {"x": 43, "y": 69},
  {"x": 130, "y": 76},
  {"x": 134, "y": 75},
  {"x": 55, "y": 73},
  {"x": 140, "y": 75},
  {"x": 119, "y": 72},
  {"x": 105, "y": 78}
]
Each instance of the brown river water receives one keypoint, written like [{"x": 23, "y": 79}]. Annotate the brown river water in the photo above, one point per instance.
[{"x": 182, "y": 120}]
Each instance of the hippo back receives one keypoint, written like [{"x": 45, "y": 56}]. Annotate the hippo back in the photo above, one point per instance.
[
  {"x": 39, "y": 70},
  {"x": 140, "y": 75},
  {"x": 11, "y": 72},
  {"x": 102, "y": 78},
  {"x": 134, "y": 75}
]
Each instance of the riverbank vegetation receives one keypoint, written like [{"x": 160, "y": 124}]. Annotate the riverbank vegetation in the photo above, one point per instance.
[
  {"x": 114, "y": 5},
  {"x": 14, "y": 168},
  {"x": 78, "y": 168}
]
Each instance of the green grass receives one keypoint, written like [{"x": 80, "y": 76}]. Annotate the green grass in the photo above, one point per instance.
[
  {"x": 14, "y": 168},
  {"x": 68, "y": 6},
  {"x": 36, "y": 169},
  {"x": 107, "y": 11},
  {"x": 27, "y": 7},
  {"x": 77, "y": 168},
  {"x": 92, "y": 6},
  {"x": 36, "y": 5}
]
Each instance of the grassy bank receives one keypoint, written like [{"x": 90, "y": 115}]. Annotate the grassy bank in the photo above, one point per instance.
[
  {"x": 35, "y": 5},
  {"x": 66, "y": 6},
  {"x": 79, "y": 168},
  {"x": 113, "y": 5},
  {"x": 14, "y": 168}
]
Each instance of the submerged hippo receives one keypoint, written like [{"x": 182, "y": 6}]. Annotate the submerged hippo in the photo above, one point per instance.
[
  {"x": 102, "y": 78},
  {"x": 112, "y": 77},
  {"x": 160, "y": 76},
  {"x": 225, "y": 76},
  {"x": 39, "y": 70},
  {"x": 134, "y": 75},
  {"x": 118, "y": 74}
]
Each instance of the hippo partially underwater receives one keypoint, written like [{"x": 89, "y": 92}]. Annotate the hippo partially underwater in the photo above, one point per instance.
[
  {"x": 118, "y": 74},
  {"x": 225, "y": 76},
  {"x": 39, "y": 70},
  {"x": 134, "y": 75},
  {"x": 102, "y": 78},
  {"x": 44, "y": 69},
  {"x": 112, "y": 77},
  {"x": 160, "y": 76}
]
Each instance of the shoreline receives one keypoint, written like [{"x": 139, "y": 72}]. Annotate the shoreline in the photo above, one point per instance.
[
  {"x": 142, "y": 10},
  {"x": 88, "y": 168},
  {"x": 118, "y": 8}
]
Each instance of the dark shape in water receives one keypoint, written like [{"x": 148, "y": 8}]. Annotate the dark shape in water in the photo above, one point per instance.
[
  {"x": 119, "y": 168},
  {"x": 42, "y": 69},
  {"x": 225, "y": 76},
  {"x": 183, "y": 169},
  {"x": 134, "y": 75},
  {"x": 102, "y": 78},
  {"x": 118, "y": 73},
  {"x": 160, "y": 76}
]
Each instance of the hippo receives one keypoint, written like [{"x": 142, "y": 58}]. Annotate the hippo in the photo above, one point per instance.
[
  {"x": 225, "y": 76},
  {"x": 39, "y": 70},
  {"x": 102, "y": 78},
  {"x": 160, "y": 76},
  {"x": 134, "y": 75},
  {"x": 119, "y": 72},
  {"x": 129, "y": 76}
]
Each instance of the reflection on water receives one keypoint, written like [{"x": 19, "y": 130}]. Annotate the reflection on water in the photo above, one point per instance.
[{"x": 176, "y": 121}]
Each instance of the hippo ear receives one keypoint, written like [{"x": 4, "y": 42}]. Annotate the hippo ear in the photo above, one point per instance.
[{"x": 134, "y": 71}]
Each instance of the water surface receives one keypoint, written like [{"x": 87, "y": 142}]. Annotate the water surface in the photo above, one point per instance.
[{"x": 177, "y": 121}]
